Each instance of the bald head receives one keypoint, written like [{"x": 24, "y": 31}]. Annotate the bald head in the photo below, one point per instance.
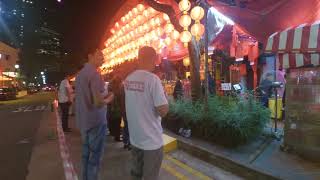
[{"x": 147, "y": 58}]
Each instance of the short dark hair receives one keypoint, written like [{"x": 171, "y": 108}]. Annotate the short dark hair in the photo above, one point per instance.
[
  {"x": 92, "y": 50},
  {"x": 146, "y": 52}
]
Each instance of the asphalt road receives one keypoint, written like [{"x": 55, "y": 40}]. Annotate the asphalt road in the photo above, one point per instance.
[{"x": 20, "y": 120}]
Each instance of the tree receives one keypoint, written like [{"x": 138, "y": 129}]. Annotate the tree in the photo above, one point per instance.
[{"x": 193, "y": 47}]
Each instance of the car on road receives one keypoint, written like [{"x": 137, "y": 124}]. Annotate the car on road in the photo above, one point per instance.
[
  {"x": 8, "y": 93},
  {"x": 32, "y": 90},
  {"x": 48, "y": 88}
]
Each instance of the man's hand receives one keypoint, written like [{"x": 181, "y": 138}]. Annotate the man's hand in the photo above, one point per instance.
[
  {"x": 163, "y": 110},
  {"x": 109, "y": 98},
  {"x": 101, "y": 101}
]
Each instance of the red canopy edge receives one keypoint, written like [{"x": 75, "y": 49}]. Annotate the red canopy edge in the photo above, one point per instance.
[
  {"x": 175, "y": 53},
  {"x": 304, "y": 38},
  {"x": 261, "y": 18}
]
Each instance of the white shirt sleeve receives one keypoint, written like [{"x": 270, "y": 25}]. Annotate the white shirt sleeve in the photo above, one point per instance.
[
  {"x": 68, "y": 86},
  {"x": 157, "y": 93}
]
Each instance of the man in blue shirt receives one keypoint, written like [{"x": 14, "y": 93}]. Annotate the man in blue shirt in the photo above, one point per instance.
[{"x": 91, "y": 114}]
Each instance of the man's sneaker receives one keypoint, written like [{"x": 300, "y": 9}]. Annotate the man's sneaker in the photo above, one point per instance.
[
  {"x": 187, "y": 133},
  {"x": 107, "y": 132},
  {"x": 181, "y": 131},
  {"x": 118, "y": 139},
  {"x": 127, "y": 146}
]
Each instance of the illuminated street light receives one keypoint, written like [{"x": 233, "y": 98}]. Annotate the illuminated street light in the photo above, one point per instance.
[
  {"x": 42, "y": 73},
  {"x": 17, "y": 66}
]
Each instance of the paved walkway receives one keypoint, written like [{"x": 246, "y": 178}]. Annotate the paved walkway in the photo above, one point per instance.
[
  {"x": 116, "y": 163},
  {"x": 261, "y": 154},
  {"x": 45, "y": 162},
  {"x": 264, "y": 155}
]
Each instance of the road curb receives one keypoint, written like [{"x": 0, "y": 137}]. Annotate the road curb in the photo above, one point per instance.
[
  {"x": 69, "y": 171},
  {"x": 244, "y": 170}
]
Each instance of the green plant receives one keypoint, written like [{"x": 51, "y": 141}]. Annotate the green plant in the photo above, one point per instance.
[{"x": 229, "y": 120}]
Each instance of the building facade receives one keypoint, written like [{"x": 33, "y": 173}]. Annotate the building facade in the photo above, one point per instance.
[
  {"x": 9, "y": 57},
  {"x": 50, "y": 43}
]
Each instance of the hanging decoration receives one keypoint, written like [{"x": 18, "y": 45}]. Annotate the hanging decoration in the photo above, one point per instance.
[
  {"x": 143, "y": 25},
  {"x": 197, "y": 29},
  {"x": 185, "y": 21},
  {"x": 186, "y": 61}
]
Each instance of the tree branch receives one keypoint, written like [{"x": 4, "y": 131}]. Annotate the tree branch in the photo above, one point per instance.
[{"x": 168, "y": 10}]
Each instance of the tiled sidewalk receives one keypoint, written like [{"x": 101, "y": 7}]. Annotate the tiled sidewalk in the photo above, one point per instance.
[{"x": 116, "y": 162}]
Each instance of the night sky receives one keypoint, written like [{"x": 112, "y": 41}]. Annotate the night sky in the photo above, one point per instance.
[{"x": 84, "y": 22}]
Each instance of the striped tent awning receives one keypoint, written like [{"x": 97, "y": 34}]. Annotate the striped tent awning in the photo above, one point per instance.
[
  {"x": 296, "y": 47},
  {"x": 296, "y": 60}
]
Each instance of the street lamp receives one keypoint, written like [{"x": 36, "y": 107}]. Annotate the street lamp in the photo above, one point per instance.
[
  {"x": 17, "y": 66},
  {"x": 42, "y": 73}
]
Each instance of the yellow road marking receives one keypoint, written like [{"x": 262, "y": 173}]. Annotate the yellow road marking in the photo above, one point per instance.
[
  {"x": 189, "y": 169},
  {"x": 174, "y": 172}
]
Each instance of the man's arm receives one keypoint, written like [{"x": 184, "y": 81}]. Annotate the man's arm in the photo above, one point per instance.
[
  {"x": 100, "y": 101},
  {"x": 67, "y": 89},
  {"x": 163, "y": 110},
  {"x": 159, "y": 98}
]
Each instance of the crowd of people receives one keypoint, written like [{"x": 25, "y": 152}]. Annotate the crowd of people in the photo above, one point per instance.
[{"x": 135, "y": 95}]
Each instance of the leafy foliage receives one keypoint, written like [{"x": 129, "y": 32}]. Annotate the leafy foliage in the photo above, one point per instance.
[{"x": 230, "y": 121}]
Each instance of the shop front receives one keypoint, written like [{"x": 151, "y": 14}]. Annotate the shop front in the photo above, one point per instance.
[
  {"x": 297, "y": 50},
  {"x": 234, "y": 59}
]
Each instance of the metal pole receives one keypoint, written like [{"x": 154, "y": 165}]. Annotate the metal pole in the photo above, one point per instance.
[
  {"x": 276, "y": 97},
  {"x": 276, "y": 113}
]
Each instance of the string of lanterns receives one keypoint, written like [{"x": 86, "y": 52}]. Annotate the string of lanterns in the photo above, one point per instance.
[
  {"x": 143, "y": 25},
  {"x": 197, "y": 29},
  {"x": 140, "y": 26}
]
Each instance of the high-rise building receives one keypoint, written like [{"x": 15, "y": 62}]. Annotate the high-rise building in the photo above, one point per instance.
[
  {"x": 49, "y": 49},
  {"x": 16, "y": 21},
  {"x": 31, "y": 26},
  {"x": 50, "y": 42}
]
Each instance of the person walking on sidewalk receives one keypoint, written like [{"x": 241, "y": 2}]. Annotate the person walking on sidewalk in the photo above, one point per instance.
[
  {"x": 146, "y": 103},
  {"x": 126, "y": 135},
  {"x": 115, "y": 112},
  {"x": 65, "y": 100},
  {"x": 91, "y": 100}
]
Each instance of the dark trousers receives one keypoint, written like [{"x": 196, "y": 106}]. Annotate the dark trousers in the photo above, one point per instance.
[
  {"x": 64, "y": 107},
  {"x": 114, "y": 127},
  {"x": 126, "y": 136}
]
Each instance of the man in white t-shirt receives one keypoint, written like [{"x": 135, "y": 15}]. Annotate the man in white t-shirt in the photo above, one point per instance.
[
  {"x": 146, "y": 104},
  {"x": 65, "y": 99}
]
